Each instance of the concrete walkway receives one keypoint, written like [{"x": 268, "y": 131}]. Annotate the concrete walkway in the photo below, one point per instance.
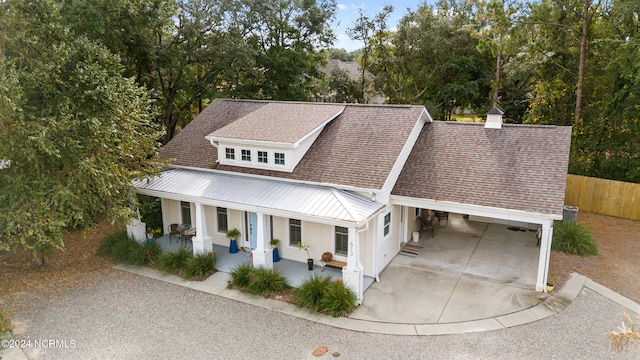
[{"x": 217, "y": 285}]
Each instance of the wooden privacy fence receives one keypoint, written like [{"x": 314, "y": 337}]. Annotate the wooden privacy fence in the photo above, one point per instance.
[{"x": 608, "y": 197}]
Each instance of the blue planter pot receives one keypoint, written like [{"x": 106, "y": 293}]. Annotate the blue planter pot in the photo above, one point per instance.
[
  {"x": 233, "y": 246},
  {"x": 276, "y": 255}
]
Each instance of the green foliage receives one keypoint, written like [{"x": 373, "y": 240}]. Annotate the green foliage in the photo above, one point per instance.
[
  {"x": 174, "y": 261},
  {"x": 240, "y": 275},
  {"x": 319, "y": 293},
  {"x": 121, "y": 248},
  {"x": 310, "y": 292},
  {"x": 75, "y": 130},
  {"x": 265, "y": 281},
  {"x": 150, "y": 211},
  {"x": 258, "y": 281},
  {"x": 146, "y": 254},
  {"x": 573, "y": 238},
  {"x": 338, "y": 300},
  {"x": 6, "y": 323},
  {"x": 199, "y": 266},
  {"x": 233, "y": 234}
]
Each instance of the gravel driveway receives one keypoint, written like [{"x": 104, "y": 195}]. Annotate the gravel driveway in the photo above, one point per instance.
[{"x": 118, "y": 315}]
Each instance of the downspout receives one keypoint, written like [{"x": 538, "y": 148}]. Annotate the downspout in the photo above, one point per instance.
[{"x": 375, "y": 268}]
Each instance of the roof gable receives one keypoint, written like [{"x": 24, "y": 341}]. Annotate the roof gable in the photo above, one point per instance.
[
  {"x": 357, "y": 149},
  {"x": 281, "y": 122},
  {"x": 519, "y": 167}
]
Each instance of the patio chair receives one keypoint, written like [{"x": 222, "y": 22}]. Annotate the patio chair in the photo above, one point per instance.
[
  {"x": 426, "y": 226},
  {"x": 442, "y": 215},
  {"x": 173, "y": 230},
  {"x": 189, "y": 235}
]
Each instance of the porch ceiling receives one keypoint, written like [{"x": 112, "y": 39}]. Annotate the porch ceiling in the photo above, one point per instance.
[{"x": 250, "y": 193}]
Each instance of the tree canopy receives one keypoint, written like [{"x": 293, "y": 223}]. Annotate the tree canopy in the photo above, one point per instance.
[{"x": 74, "y": 130}]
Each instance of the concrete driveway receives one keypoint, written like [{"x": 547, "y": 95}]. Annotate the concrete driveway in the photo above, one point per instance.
[{"x": 468, "y": 271}]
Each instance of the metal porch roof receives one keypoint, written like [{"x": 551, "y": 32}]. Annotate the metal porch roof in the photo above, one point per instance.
[{"x": 311, "y": 200}]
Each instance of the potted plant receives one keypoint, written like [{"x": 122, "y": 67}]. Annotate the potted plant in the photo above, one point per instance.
[
  {"x": 305, "y": 247},
  {"x": 233, "y": 236},
  {"x": 276, "y": 253},
  {"x": 550, "y": 280}
]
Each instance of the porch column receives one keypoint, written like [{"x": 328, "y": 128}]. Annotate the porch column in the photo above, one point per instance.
[
  {"x": 202, "y": 241},
  {"x": 137, "y": 230},
  {"x": 263, "y": 253},
  {"x": 352, "y": 274},
  {"x": 545, "y": 251}
]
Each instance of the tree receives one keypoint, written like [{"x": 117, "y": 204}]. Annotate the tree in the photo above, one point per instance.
[
  {"x": 493, "y": 23},
  {"x": 342, "y": 86},
  {"x": 287, "y": 37},
  {"x": 366, "y": 29},
  {"x": 73, "y": 128}
]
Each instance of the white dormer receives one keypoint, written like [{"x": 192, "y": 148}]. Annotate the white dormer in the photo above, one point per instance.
[{"x": 274, "y": 137}]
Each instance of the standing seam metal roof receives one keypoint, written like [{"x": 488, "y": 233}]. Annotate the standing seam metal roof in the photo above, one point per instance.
[{"x": 311, "y": 200}]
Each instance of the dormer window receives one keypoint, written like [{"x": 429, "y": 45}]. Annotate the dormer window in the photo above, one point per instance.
[
  {"x": 278, "y": 158},
  {"x": 263, "y": 157},
  {"x": 246, "y": 155},
  {"x": 274, "y": 136}
]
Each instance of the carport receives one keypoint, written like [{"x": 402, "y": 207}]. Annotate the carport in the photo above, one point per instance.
[
  {"x": 513, "y": 175},
  {"x": 454, "y": 277}
]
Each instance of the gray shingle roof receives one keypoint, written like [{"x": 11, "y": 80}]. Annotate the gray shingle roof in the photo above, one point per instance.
[
  {"x": 518, "y": 167},
  {"x": 281, "y": 122},
  {"x": 358, "y": 148}
]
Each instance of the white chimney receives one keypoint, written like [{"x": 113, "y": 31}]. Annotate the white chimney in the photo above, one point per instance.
[{"x": 494, "y": 119}]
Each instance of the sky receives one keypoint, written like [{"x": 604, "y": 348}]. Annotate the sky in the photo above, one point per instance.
[{"x": 347, "y": 13}]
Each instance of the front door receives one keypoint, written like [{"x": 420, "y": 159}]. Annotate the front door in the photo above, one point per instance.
[{"x": 251, "y": 240}]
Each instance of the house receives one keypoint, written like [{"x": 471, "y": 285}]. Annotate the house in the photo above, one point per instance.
[
  {"x": 351, "y": 179},
  {"x": 354, "y": 71}
]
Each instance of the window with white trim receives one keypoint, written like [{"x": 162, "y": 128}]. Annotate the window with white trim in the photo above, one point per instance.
[
  {"x": 387, "y": 224},
  {"x": 185, "y": 210},
  {"x": 295, "y": 232},
  {"x": 262, "y": 157},
  {"x": 278, "y": 158},
  {"x": 223, "y": 219},
  {"x": 230, "y": 153},
  {"x": 342, "y": 240},
  {"x": 246, "y": 155}
]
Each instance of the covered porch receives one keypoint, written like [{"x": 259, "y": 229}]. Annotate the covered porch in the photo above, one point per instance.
[
  {"x": 323, "y": 219},
  {"x": 296, "y": 272}
]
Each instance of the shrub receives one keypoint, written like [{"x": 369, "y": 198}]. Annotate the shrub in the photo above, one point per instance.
[
  {"x": 573, "y": 238},
  {"x": 174, "y": 261},
  {"x": 198, "y": 266},
  {"x": 6, "y": 324},
  {"x": 338, "y": 300},
  {"x": 146, "y": 254},
  {"x": 265, "y": 281},
  {"x": 240, "y": 275},
  {"x": 311, "y": 291},
  {"x": 121, "y": 248},
  {"x": 110, "y": 242}
]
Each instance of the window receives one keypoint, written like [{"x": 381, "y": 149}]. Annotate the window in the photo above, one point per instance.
[
  {"x": 246, "y": 155},
  {"x": 295, "y": 232},
  {"x": 262, "y": 157},
  {"x": 279, "y": 158},
  {"x": 223, "y": 222},
  {"x": 230, "y": 153},
  {"x": 185, "y": 211},
  {"x": 387, "y": 224},
  {"x": 342, "y": 240}
]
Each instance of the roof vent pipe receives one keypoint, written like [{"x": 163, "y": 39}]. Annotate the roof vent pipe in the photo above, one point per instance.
[{"x": 494, "y": 119}]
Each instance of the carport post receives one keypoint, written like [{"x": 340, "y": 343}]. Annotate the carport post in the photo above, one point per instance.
[{"x": 545, "y": 252}]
